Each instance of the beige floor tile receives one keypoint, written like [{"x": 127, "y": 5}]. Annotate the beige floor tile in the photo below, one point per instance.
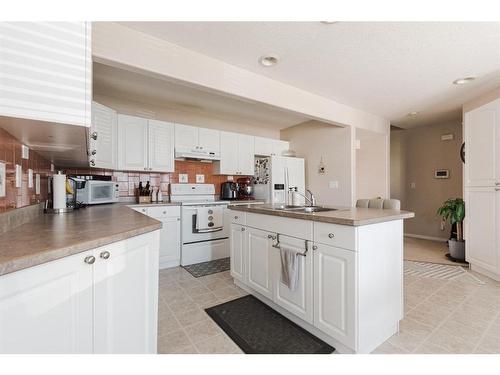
[
  {"x": 186, "y": 350},
  {"x": 450, "y": 343},
  {"x": 191, "y": 316},
  {"x": 388, "y": 348},
  {"x": 406, "y": 341},
  {"x": 427, "y": 348},
  {"x": 167, "y": 325},
  {"x": 228, "y": 292},
  {"x": 203, "y": 300},
  {"x": 415, "y": 328},
  {"x": 178, "y": 306},
  {"x": 203, "y": 330},
  {"x": 219, "y": 344},
  {"x": 423, "y": 316},
  {"x": 173, "y": 342},
  {"x": 465, "y": 332},
  {"x": 190, "y": 283},
  {"x": 195, "y": 291},
  {"x": 217, "y": 284},
  {"x": 489, "y": 344},
  {"x": 209, "y": 278}
]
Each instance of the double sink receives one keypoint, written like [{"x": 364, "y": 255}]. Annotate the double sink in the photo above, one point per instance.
[{"x": 305, "y": 209}]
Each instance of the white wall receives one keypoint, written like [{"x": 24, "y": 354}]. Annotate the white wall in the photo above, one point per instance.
[
  {"x": 313, "y": 140},
  {"x": 120, "y": 46},
  {"x": 372, "y": 165},
  {"x": 204, "y": 120}
]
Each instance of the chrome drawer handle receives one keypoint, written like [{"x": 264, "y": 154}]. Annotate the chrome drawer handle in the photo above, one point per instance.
[
  {"x": 236, "y": 218},
  {"x": 331, "y": 235},
  {"x": 242, "y": 229},
  {"x": 90, "y": 259},
  {"x": 94, "y": 136},
  {"x": 315, "y": 247},
  {"x": 105, "y": 255}
]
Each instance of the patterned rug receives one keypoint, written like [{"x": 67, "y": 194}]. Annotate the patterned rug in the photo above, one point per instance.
[
  {"x": 436, "y": 271},
  {"x": 208, "y": 268}
]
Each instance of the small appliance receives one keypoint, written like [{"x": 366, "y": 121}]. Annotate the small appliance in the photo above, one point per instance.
[
  {"x": 229, "y": 190},
  {"x": 245, "y": 188},
  {"x": 62, "y": 194},
  {"x": 98, "y": 192}
]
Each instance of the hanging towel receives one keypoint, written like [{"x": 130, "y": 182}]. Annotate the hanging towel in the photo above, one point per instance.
[
  {"x": 209, "y": 218},
  {"x": 289, "y": 266}
]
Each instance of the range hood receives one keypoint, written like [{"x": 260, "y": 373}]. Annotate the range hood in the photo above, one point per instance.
[{"x": 198, "y": 154}]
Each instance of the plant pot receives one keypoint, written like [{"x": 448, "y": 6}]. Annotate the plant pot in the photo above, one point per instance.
[{"x": 457, "y": 249}]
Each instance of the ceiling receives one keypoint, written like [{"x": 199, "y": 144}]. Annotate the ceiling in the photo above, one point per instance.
[
  {"x": 386, "y": 68},
  {"x": 120, "y": 83}
]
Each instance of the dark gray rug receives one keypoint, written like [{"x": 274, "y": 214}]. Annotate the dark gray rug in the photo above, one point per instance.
[
  {"x": 258, "y": 329},
  {"x": 208, "y": 268}
]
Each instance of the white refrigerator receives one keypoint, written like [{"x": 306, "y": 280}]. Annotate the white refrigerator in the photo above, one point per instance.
[{"x": 275, "y": 176}]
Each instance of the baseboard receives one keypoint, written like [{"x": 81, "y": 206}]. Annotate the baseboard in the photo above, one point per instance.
[{"x": 440, "y": 239}]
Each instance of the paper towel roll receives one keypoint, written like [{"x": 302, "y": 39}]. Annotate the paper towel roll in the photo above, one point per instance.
[{"x": 59, "y": 191}]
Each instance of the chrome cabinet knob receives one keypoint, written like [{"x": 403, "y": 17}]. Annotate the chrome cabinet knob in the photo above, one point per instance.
[
  {"x": 90, "y": 259},
  {"x": 143, "y": 210},
  {"x": 105, "y": 255},
  {"x": 315, "y": 247},
  {"x": 331, "y": 235},
  {"x": 93, "y": 152},
  {"x": 164, "y": 212},
  {"x": 242, "y": 229},
  {"x": 92, "y": 163},
  {"x": 93, "y": 136},
  {"x": 269, "y": 236},
  {"x": 236, "y": 218}
]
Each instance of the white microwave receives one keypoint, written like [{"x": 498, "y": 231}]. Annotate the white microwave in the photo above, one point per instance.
[{"x": 97, "y": 192}]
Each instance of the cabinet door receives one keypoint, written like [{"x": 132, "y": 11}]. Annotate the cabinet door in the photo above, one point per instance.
[
  {"x": 186, "y": 138},
  {"x": 299, "y": 301},
  {"x": 48, "y": 308},
  {"x": 334, "y": 292},
  {"x": 263, "y": 146},
  {"x": 126, "y": 296},
  {"x": 170, "y": 242},
  {"x": 481, "y": 227},
  {"x": 161, "y": 146},
  {"x": 259, "y": 261},
  {"x": 482, "y": 140},
  {"x": 279, "y": 147},
  {"x": 132, "y": 143},
  {"x": 228, "y": 153},
  {"x": 246, "y": 155},
  {"x": 103, "y": 149},
  {"x": 209, "y": 140},
  {"x": 238, "y": 252},
  {"x": 46, "y": 71}
]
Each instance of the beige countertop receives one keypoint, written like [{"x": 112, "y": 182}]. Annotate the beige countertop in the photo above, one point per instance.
[
  {"x": 49, "y": 237},
  {"x": 342, "y": 215}
]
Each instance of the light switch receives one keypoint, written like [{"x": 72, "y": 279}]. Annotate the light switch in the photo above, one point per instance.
[
  {"x": 413, "y": 185},
  {"x": 183, "y": 178},
  {"x": 25, "y": 152},
  {"x": 333, "y": 184},
  {"x": 37, "y": 184},
  {"x": 30, "y": 178},
  {"x": 19, "y": 175},
  {"x": 200, "y": 178},
  {"x": 230, "y": 178}
]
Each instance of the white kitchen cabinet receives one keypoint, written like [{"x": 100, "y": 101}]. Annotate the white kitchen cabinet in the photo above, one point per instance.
[
  {"x": 238, "y": 251},
  {"x": 192, "y": 139},
  {"x": 145, "y": 145},
  {"x": 279, "y": 147},
  {"x": 46, "y": 71},
  {"x": 259, "y": 261},
  {"x": 48, "y": 308},
  {"x": 126, "y": 296},
  {"x": 103, "y": 137},
  {"x": 263, "y": 146},
  {"x": 299, "y": 301},
  {"x": 161, "y": 146},
  {"x": 334, "y": 293},
  {"x": 236, "y": 154},
  {"x": 482, "y": 145}
]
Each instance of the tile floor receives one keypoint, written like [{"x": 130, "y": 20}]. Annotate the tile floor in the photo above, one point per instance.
[{"x": 441, "y": 316}]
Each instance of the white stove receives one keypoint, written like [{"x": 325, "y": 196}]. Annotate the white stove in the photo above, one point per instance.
[{"x": 204, "y": 223}]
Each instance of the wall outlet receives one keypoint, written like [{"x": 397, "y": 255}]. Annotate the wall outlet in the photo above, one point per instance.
[
  {"x": 413, "y": 185},
  {"x": 30, "y": 178},
  {"x": 183, "y": 178},
  {"x": 19, "y": 175},
  {"x": 200, "y": 178},
  {"x": 25, "y": 152},
  {"x": 230, "y": 178},
  {"x": 37, "y": 184},
  {"x": 333, "y": 184}
]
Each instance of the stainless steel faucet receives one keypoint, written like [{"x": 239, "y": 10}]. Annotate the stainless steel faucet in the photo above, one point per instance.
[{"x": 311, "y": 201}]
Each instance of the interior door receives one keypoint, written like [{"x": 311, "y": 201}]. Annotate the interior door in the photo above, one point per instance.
[
  {"x": 209, "y": 140},
  {"x": 238, "y": 252},
  {"x": 126, "y": 296},
  {"x": 246, "y": 155},
  {"x": 132, "y": 143},
  {"x": 161, "y": 146},
  {"x": 103, "y": 150},
  {"x": 48, "y": 308},
  {"x": 186, "y": 138},
  {"x": 259, "y": 260},
  {"x": 300, "y": 300}
]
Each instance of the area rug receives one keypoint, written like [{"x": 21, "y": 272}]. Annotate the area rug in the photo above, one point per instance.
[
  {"x": 208, "y": 268},
  {"x": 437, "y": 271},
  {"x": 258, "y": 329}
]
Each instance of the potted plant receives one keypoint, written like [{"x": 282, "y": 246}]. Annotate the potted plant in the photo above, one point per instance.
[{"x": 454, "y": 211}]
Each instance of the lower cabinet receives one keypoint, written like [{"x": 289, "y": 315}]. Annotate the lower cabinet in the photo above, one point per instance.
[
  {"x": 103, "y": 300},
  {"x": 238, "y": 252},
  {"x": 259, "y": 261},
  {"x": 334, "y": 292}
]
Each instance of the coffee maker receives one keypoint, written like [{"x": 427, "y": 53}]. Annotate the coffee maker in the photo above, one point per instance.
[
  {"x": 229, "y": 190},
  {"x": 245, "y": 188}
]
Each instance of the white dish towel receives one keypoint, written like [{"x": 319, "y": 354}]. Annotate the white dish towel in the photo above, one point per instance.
[
  {"x": 209, "y": 218},
  {"x": 290, "y": 264}
]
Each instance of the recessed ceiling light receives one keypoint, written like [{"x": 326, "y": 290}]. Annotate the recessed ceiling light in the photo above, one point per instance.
[
  {"x": 463, "y": 81},
  {"x": 412, "y": 114},
  {"x": 268, "y": 60}
]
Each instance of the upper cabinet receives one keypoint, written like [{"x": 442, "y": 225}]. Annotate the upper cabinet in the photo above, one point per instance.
[
  {"x": 270, "y": 147},
  {"x": 236, "y": 154},
  {"x": 145, "y": 145},
  {"x": 103, "y": 137},
  {"x": 482, "y": 145},
  {"x": 191, "y": 141},
  {"x": 46, "y": 71}
]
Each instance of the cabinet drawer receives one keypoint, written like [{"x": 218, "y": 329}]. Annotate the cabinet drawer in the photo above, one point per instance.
[
  {"x": 238, "y": 217},
  {"x": 342, "y": 236},
  {"x": 164, "y": 211}
]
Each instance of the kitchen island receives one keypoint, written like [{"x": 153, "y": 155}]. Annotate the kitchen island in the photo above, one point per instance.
[
  {"x": 350, "y": 288},
  {"x": 82, "y": 282}
]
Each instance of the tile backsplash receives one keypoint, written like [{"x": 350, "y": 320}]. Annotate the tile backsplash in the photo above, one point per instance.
[
  {"x": 129, "y": 181},
  {"x": 11, "y": 155}
]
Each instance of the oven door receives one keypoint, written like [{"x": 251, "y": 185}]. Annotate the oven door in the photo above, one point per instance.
[{"x": 189, "y": 232}]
